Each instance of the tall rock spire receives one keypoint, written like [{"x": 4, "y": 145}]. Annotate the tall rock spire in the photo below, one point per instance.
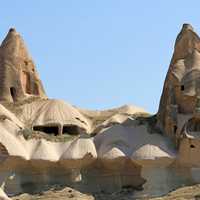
[
  {"x": 182, "y": 83},
  {"x": 187, "y": 40},
  {"x": 18, "y": 77}
]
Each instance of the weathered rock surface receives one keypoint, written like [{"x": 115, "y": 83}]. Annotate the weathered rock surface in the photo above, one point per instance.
[
  {"x": 3, "y": 196},
  {"x": 18, "y": 75},
  {"x": 181, "y": 89},
  {"x": 59, "y": 193},
  {"x": 179, "y": 111},
  {"x": 113, "y": 151},
  {"x": 184, "y": 193}
]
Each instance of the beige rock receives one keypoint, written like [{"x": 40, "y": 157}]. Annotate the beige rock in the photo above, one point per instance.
[
  {"x": 18, "y": 76},
  {"x": 3, "y": 196},
  {"x": 123, "y": 153},
  {"x": 179, "y": 110},
  {"x": 54, "y": 116}
]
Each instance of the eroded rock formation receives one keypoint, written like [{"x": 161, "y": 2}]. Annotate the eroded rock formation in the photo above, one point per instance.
[
  {"x": 179, "y": 111},
  {"x": 181, "y": 89},
  {"x": 18, "y": 75},
  {"x": 110, "y": 149}
]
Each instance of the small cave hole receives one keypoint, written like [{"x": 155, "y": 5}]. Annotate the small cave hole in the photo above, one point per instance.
[
  {"x": 192, "y": 146},
  {"x": 175, "y": 129},
  {"x": 182, "y": 87},
  {"x": 52, "y": 130},
  {"x": 13, "y": 93},
  {"x": 71, "y": 130},
  {"x": 26, "y": 62}
]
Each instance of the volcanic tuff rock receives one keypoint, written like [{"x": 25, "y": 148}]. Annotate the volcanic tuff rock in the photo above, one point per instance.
[
  {"x": 111, "y": 149},
  {"x": 18, "y": 75},
  {"x": 180, "y": 101},
  {"x": 179, "y": 110}
]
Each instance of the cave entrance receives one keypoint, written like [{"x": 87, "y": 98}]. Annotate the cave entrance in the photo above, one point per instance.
[
  {"x": 71, "y": 130},
  {"x": 175, "y": 129},
  {"x": 13, "y": 93},
  {"x": 52, "y": 130},
  {"x": 182, "y": 87}
]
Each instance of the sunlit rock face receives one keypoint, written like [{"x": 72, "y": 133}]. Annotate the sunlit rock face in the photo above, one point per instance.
[
  {"x": 18, "y": 75},
  {"x": 179, "y": 111},
  {"x": 122, "y": 148},
  {"x": 35, "y": 175}
]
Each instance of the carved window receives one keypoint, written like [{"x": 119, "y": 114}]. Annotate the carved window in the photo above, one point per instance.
[
  {"x": 71, "y": 130},
  {"x": 13, "y": 93},
  {"x": 175, "y": 129},
  {"x": 54, "y": 130},
  {"x": 26, "y": 62}
]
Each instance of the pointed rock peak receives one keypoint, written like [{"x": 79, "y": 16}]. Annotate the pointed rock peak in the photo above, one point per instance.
[
  {"x": 188, "y": 32},
  {"x": 12, "y": 30},
  {"x": 18, "y": 78},
  {"x": 187, "y": 41},
  {"x": 11, "y": 33},
  {"x": 13, "y": 45},
  {"x": 181, "y": 83},
  {"x": 187, "y": 27}
]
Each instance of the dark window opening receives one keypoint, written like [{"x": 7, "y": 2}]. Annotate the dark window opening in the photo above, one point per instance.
[
  {"x": 175, "y": 129},
  {"x": 26, "y": 62},
  {"x": 13, "y": 93},
  {"x": 71, "y": 130},
  {"x": 182, "y": 87},
  {"x": 54, "y": 130},
  {"x": 192, "y": 146}
]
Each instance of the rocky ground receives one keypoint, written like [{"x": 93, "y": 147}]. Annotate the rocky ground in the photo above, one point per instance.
[
  {"x": 185, "y": 193},
  {"x": 189, "y": 193},
  {"x": 56, "y": 194}
]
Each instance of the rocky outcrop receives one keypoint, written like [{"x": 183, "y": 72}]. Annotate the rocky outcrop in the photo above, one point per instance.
[
  {"x": 112, "y": 159},
  {"x": 181, "y": 92},
  {"x": 122, "y": 148},
  {"x": 54, "y": 117},
  {"x": 18, "y": 75}
]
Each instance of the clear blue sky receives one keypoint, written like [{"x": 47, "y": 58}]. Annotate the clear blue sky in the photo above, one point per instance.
[{"x": 101, "y": 54}]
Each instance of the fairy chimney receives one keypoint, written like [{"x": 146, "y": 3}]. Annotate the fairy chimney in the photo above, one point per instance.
[
  {"x": 180, "y": 101},
  {"x": 18, "y": 77}
]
